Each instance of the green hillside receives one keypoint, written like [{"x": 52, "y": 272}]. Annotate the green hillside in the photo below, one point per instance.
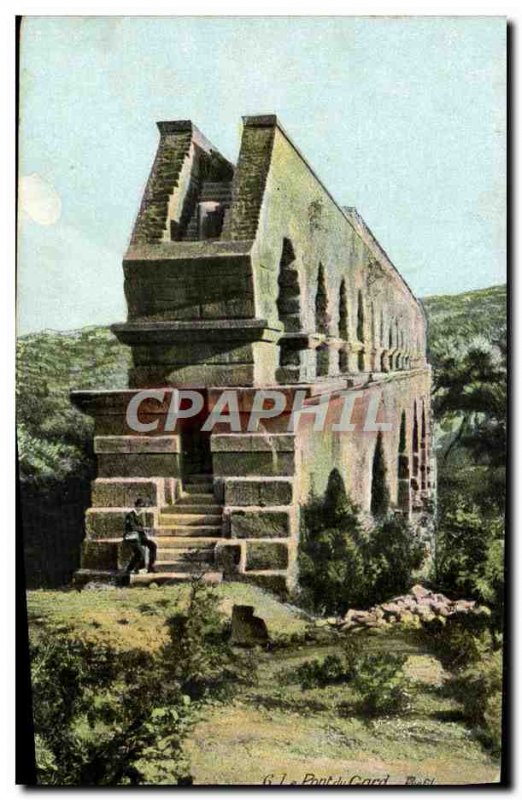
[
  {"x": 460, "y": 318},
  {"x": 53, "y": 437}
]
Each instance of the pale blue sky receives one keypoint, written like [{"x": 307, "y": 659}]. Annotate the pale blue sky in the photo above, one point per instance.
[{"x": 403, "y": 118}]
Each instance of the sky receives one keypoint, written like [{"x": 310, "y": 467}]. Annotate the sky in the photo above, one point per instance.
[{"x": 403, "y": 118}]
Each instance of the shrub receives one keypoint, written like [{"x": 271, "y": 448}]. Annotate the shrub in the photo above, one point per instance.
[
  {"x": 199, "y": 653},
  {"x": 341, "y": 565},
  {"x": 106, "y": 718},
  {"x": 380, "y": 681},
  {"x": 478, "y": 688},
  {"x": 458, "y": 641},
  {"x": 317, "y": 672},
  {"x": 393, "y": 551},
  {"x": 332, "y": 572}
]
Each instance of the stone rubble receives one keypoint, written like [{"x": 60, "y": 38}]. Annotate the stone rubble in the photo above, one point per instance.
[{"x": 417, "y": 606}]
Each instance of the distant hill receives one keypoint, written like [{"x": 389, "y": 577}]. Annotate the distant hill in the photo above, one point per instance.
[
  {"x": 458, "y": 318},
  {"x": 90, "y": 358}
]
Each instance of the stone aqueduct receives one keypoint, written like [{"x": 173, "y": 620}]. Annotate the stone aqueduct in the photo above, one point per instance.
[{"x": 253, "y": 276}]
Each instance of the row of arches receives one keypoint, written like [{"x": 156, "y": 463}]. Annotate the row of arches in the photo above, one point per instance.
[
  {"x": 375, "y": 339},
  {"x": 413, "y": 465}
]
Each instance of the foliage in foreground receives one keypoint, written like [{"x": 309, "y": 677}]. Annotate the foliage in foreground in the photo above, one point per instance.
[
  {"x": 105, "y": 718},
  {"x": 470, "y": 555},
  {"x": 378, "y": 679},
  {"x": 473, "y": 653},
  {"x": 343, "y": 565}
]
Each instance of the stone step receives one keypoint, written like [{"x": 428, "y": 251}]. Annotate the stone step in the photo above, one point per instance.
[
  {"x": 188, "y": 530},
  {"x": 215, "y": 191},
  {"x": 193, "y": 508},
  {"x": 167, "y": 553},
  {"x": 197, "y": 499},
  {"x": 198, "y": 489},
  {"x": 201, "y": 478},
  {"x": 179, "y": 565},
  {"x": 160, "y": 578},
  {"x": 166, "y": 541},
  {"x": 173, "y": 520}
]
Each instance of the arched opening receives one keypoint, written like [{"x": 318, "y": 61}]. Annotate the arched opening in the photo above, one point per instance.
[
  {"x": 322, "y": 322},
  {"x": 289, "y": 296},
  {"x": 423, "y": 451},
  {"x": 360, "y": 330},
  {"x": 391, "y": 345},
  {"x": 415, "y": 450},
  {"x": 322, "y": 319},
  {"x": 403, "y": 469},
  {"x": 343, "y": 326},
  {"x": 360, "y": 317},
  {"x": 397, "y": 358},
  {"x": 380, "y": 494},
  {"x": 382, "y": 339},
  {"x": 323, "y": 360}
]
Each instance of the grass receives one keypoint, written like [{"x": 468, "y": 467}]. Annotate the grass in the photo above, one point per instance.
[
  {"x": 275, "y": 728},
  {"x": 285, "y": 733},
  {"x": 130, "y": 618}
]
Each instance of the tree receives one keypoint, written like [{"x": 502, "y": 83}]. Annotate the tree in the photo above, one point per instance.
[{"x": 380, "y": 496}]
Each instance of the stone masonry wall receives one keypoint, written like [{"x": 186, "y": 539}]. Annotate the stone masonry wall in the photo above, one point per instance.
[{"x": 295, "y": 293}]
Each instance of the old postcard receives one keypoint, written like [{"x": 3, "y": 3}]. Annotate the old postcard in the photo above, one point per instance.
[{"x": 262, "y": 399}]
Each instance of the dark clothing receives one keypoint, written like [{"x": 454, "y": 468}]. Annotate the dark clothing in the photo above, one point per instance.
[
  {"x": 138, "y": 557},
  {"x": 133, "y": 523},
  {"x": 136, "y": 536}
]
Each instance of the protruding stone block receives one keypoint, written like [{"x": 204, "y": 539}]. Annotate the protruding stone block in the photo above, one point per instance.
[
  {"x": 266, "y": 555},
  {"x": 110, "y": 522},
  {"x": 256, "y": 523},
  {"x": 260, "y": 492}
]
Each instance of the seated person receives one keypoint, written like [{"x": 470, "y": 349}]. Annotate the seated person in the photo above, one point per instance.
[{"x": 136, "y": 534}]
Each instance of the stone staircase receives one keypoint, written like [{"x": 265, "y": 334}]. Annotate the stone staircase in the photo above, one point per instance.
[
  {"x": 211, "y": 192},
  {"x": 186, "y": 536}
]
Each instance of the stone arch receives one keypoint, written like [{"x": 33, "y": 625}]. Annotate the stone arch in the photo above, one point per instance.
[
  {"x": 343, "y": 325},
  {"x": 360, "y": 330},
  {"x": 382, "y": 339},
  {"x": 391, "y": 346},
  {"x": 403, "y": 469},
  {"x": 380, "y": 494},
  {"x": 396, "y": 355},
  {"x": 322, "y": 323},
  {"x": 401, "y": 346},
  {"x": 415, "y": 449},
  {"x": 289, "y": 296},
  {"x": 322, "y": 319},
  {"x": 423, "y": 450}
]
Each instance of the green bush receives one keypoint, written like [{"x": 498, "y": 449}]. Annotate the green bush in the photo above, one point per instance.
[
  {"x": 392, "y": 553},
  {"x": 380, "y": 681},
  {"x": 104, "y": 718},
  {"x": 457, "y": 641},
  {"x": 470, "y": 555},
  {"x": 343, "y": 566},
  {"x": 323, "y": 672},
  {"x": 331, "y": 564},
  {"x": 201, "y": 657},
  {"x": 478, "y": 688}
]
